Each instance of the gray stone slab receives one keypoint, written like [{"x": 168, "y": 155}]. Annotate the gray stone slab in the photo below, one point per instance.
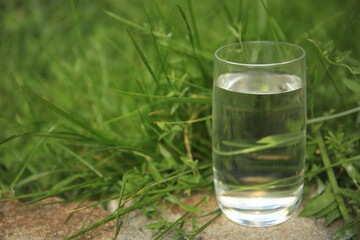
[
  {"x": 47, "y": 222},
  {"x": 295, "y": 228}
]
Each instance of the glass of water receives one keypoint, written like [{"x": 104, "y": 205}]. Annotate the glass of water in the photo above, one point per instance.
[{"x": 259, "y": 131}]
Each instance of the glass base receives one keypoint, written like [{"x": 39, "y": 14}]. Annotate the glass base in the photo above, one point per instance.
[{"x": 260, "y": 218}]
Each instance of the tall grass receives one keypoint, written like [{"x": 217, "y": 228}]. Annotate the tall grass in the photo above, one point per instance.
[{"x": 108, "y": 100}]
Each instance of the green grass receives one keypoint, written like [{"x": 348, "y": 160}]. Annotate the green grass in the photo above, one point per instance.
[{"x": 92, "y": 91}]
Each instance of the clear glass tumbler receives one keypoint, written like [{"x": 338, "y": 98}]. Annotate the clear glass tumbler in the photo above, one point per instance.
[{"x": 259, "y": 129}]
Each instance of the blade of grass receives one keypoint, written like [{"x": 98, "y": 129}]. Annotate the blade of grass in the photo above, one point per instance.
[
  {"x": 186, "y": 51},
  {"x": 179, "y": 220},
  {"x": 188, "y": 29},
  {"x": 13, "y": 137},
  {"x": 189, "y": 121},
  {"x": 312, "y": 98},
  {"x": 55, "y": 192},
  {"x": 69, "y": 137},
  {"x": 123, "y": 20},
  {"x": 154, "y": 172},
  {"x": 176, "y": 149},
  {"x": 82, "y": 160},
  {"x": 121, "y": 50},
  {"x": 124, "y": 179},
  {"x": 335, "y": 214},
  {"x": 325, "y": 71},
  {"x": 161, "y": 61},
  {"x": 67, "y": 180},
  {"x": 86, "y": 219},
  {"x": 194, "y": 25},
  {"x": 133, "y": 25},
  {"x": 352, "y": 70},
  {"x": 202, "y": 228},
  {"x": 112, "y": 217},
  {"x": 142, "y": 190},
  {"x": 197, "y": 86},
  {"x": 165, "y": 98},
  {"x": 71, "y": 214},
  {"x": 226, "y": 10},
  {"x": 130, "y": 114},
  {"x": 350, "y": 193},
  {"x": 123, "y": 222},
  {"x": 136, "y": 151},
  {"x": 272, "y": 141},
  {"x": 156, "y": 191},
  {"x": 78, "y": 32},
  {"x": 3, "y": 188},
  {"x": 66, "y": 115},
  {"x": 271, "y": 21},
  {"x": 327, "y": 210},
  {"x": 318, "y": 203},
  {"x": 336, "y": 87},
  {"x": 199, "y": 63},
  {"x": 37, "y": 176},
  {"x": 331, "y": 175},
  {"x": 333, "y": 116},
  {"x": 26, "y": 160},
  {"x": 239, "y": 8},
  {"x": 143, "y": 58},
  {"x": 313, "y": 173},
  {"x": 52, "y": 192},
  {"x": 348, "y": 231},
  {"x": 346, "y": 30},
  {"x": 143, "y": 119},
  {"x": 178, "y": 188}
]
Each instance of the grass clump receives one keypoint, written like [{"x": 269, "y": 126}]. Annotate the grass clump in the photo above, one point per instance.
[{"x": 109, "y": 100}]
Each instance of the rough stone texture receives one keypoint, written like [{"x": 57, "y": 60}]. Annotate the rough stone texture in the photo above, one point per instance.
[
  {"x": 46, "y": 222},
  {"x": 295, "y": 228}
]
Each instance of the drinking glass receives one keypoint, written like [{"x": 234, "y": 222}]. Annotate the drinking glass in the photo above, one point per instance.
[{"x": 259, "y": 129}]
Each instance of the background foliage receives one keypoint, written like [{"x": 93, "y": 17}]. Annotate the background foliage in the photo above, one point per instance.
[{"x": 112, "y": 99}]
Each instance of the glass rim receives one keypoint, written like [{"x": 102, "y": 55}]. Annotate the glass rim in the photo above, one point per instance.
[{"x": 261, "y": 64}]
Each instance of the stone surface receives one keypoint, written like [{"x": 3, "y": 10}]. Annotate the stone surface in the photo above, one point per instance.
[
  {"x": 295, "y": 228},
  {"x": 47, "y": 222}
]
